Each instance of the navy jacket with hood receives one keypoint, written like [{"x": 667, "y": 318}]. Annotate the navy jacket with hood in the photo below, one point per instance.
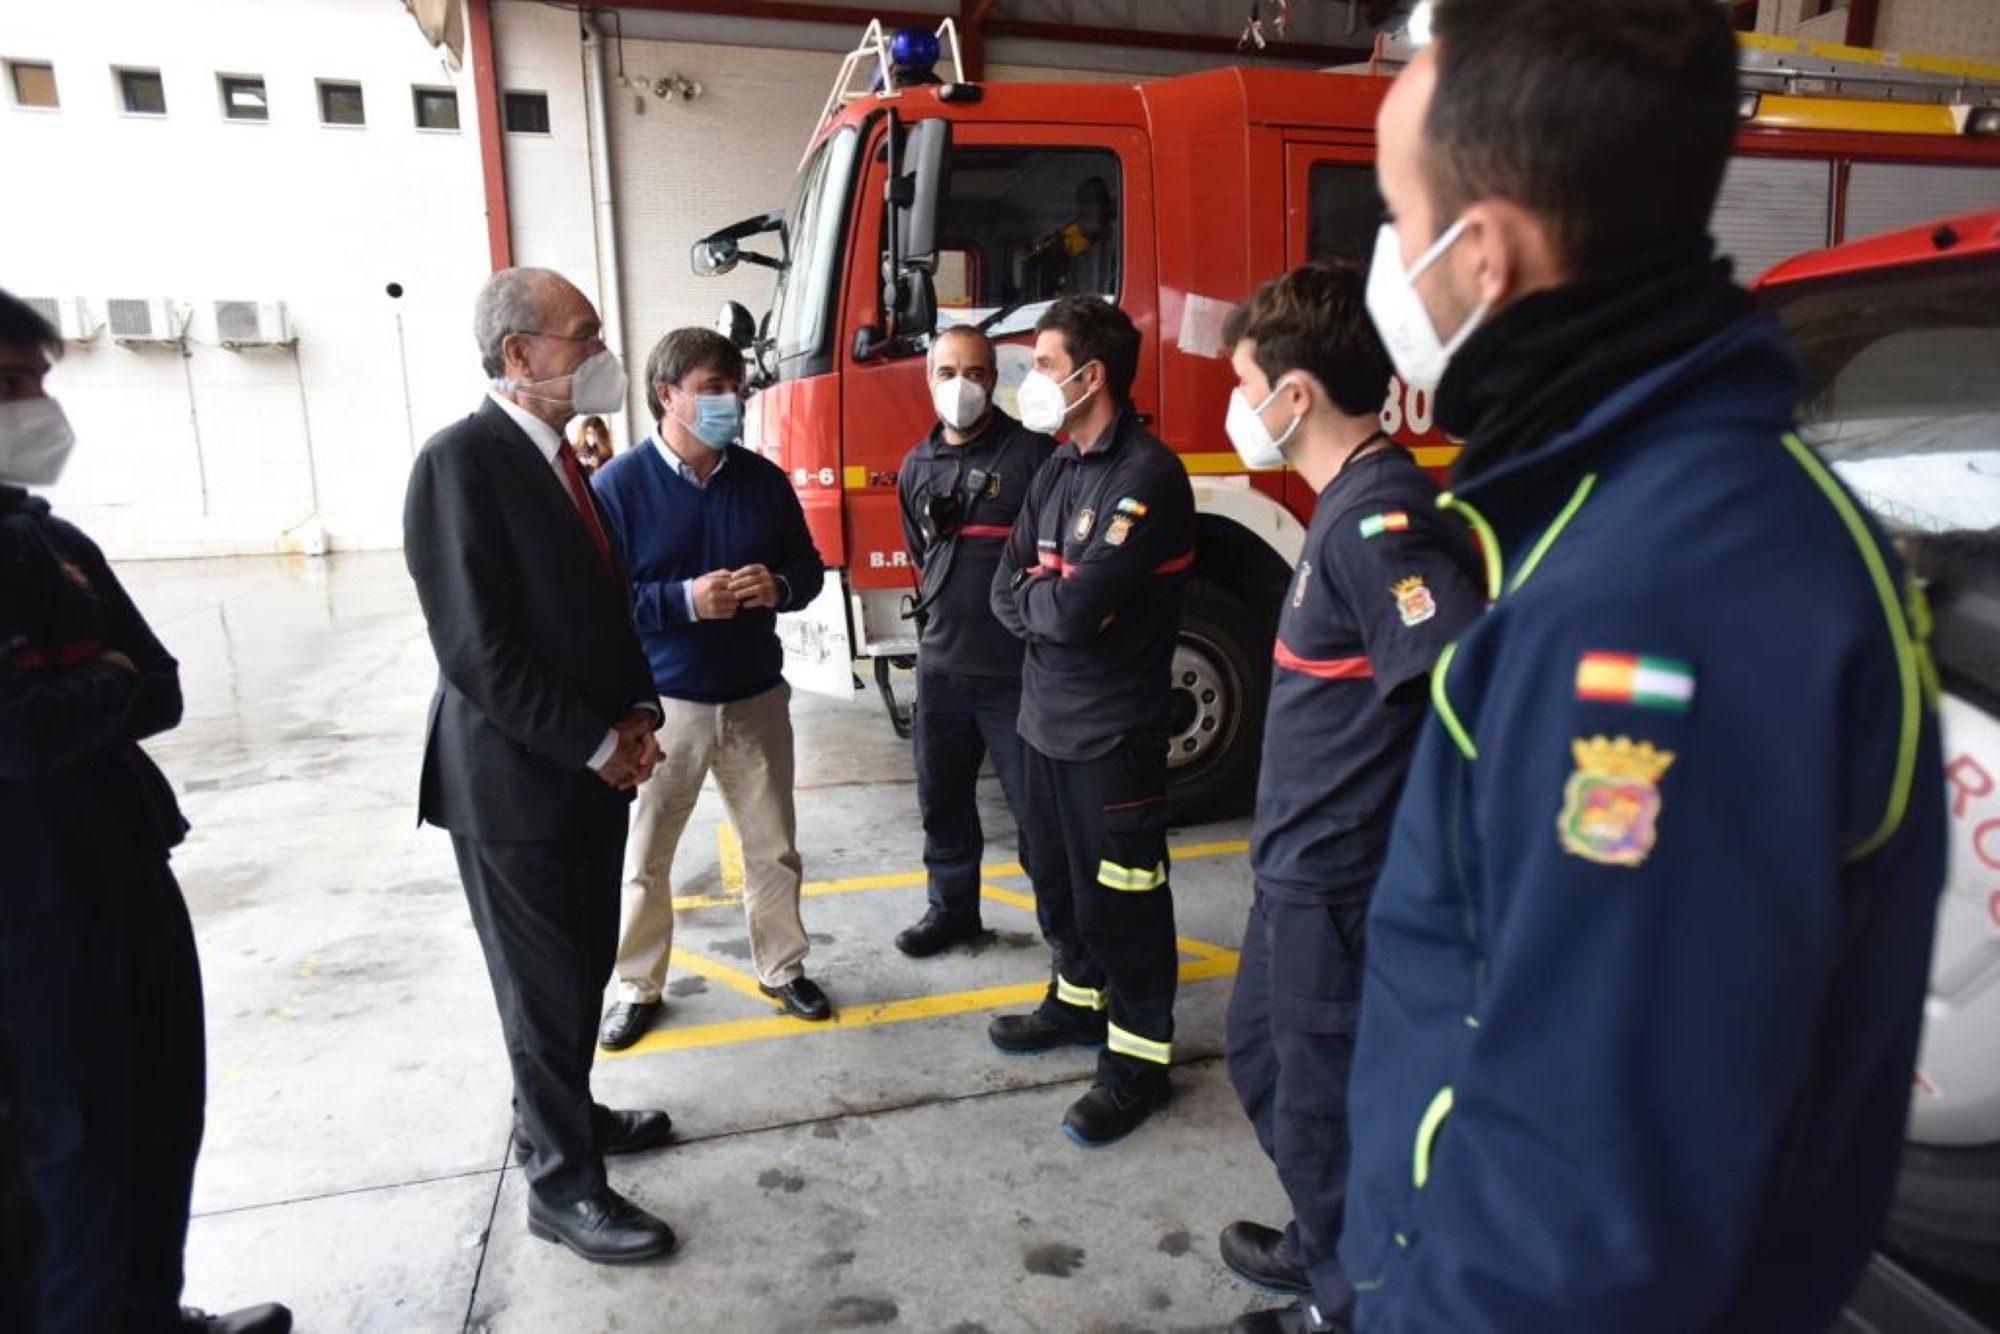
[{"x": 1647, "y": 960}]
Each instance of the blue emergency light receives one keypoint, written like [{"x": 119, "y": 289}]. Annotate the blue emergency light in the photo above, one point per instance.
[{"x": 912, "y": 49}]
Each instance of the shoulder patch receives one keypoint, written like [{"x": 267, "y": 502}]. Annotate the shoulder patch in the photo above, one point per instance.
[
  {"x": 1638, "y": 679},
  {"x": 1393, "y": 521},
  {"x": 1413, "y": 600},
  {"x": 1611, "y": 804},
  {"x": 1117, "y": 530},
  {"x": 1133, "y": 506},
  {"x": 1085, "y": 520}
]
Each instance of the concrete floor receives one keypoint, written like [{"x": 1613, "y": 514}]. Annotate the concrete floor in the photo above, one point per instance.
[{"x": 892, "y": 1172}]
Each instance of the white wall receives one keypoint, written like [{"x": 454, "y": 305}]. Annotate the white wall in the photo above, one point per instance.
[
  {"x": 1967, "y": 29},
  {"x": 193, "y": 207}
]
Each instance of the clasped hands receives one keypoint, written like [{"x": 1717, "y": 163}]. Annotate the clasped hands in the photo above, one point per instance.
[
  {"x": 637, "y": 754},
  {"x": 720, "y": 594}
]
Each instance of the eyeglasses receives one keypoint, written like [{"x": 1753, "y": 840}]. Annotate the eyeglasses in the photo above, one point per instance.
[{"x": 567, "y": 338}]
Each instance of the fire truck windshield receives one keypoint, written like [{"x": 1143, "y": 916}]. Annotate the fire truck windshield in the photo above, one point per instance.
[
  {"x": 802, "y": 310},
  {"x": 1901, "y": 396}
]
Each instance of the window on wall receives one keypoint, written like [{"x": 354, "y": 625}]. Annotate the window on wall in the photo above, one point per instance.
[
  {"x": 243, "y": 97},
  {"x": 1343, "y": 212},
  {"x": 526, "y": 113},
  {"x": 142, "y": 92},
  {"x": 436, "y": 108},
  {"x": 33, "y": 84},
  {"x": 341, "y": 104}
]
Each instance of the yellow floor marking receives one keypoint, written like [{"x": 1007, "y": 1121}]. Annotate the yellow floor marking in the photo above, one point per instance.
[
  {"x": 716, "y": 971},
  {"x": 904, "y": 879},
  {"x": 729, "y": 858}
]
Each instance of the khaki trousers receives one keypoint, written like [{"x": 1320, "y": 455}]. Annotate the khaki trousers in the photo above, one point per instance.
[{"x": 748, "y": 746}]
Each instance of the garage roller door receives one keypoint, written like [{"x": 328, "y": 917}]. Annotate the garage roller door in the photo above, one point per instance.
[
  {"x": 1882, "y": 196},
  {"x": 1772, "y": 209}
]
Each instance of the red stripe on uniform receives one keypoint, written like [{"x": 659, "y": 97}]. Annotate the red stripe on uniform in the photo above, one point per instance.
[
  {"x": 1332, "y": 669},
  {"x": 1176, "y": 565},
  {"x": 985, "y": 530}
]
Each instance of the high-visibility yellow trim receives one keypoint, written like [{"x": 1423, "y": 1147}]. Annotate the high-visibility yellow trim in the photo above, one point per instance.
[
  {"x": 1909, "y": 675},
  {"x": 1131, "y": 879},
  {"x": 1202, "y": 463},
  {"x": 1784, "y": 112},
  {"x": 854, "y": 478},
  {"x": 1548, "y": 539},
  {"x": 1427, "y": 1132},
  {"x": 1143, "y": 1049},
  {"x": 1489, "y": 541},
  {"x": 1069, "y": 993},
  {"x": 1442, "y": 703}
]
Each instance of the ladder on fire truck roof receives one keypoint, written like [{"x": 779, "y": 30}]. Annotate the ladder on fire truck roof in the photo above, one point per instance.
[
  {"x": 881, "y": 55},
  {"x": 1800, "y": 67}
]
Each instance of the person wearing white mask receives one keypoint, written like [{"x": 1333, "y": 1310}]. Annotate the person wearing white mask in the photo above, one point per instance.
[
  {"x": 717, "y": 547},
  {"x": 1092, "y": 580},
  {"x": 1648, "y": 953},
  {"x": 960, "y": 489},
  {"x": 1384, "y": 581},
  {"x": 541, "y": 727},
  {"x": 101, "y": 1043}
]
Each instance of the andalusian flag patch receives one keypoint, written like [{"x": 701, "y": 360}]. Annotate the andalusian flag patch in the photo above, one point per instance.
[
  {"x": 1632, "y": 678},
  {"x": 1395, "y": 521}
]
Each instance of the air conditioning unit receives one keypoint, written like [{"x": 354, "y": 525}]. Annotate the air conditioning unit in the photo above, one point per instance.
[
  {"x": 73, "y": 317},
  {"x": 247, "y": 324},
  {"x": 147, "y": 321}
]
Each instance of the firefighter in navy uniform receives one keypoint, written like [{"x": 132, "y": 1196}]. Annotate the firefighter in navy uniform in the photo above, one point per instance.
[
  {"x": 1092, "y": 579},
  {"x": 1648, "y": 954},
  {"x": 960, "y": 489},
  {"x": 1385, "y": 580}
]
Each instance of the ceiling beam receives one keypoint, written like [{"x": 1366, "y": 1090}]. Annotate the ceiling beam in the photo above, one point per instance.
[
  {"x": 1309, "y": 53},
  {"x": 844, "y": 15}
]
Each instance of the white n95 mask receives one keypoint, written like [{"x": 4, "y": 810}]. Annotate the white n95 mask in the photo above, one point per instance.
[
  {"x": 35, "y": 441},
  {"x": 1043, "y": 407},
  {"x": 960, "y": 402},
  {"x": 1255, "y": 444},
  {"x": 1400, "y": 314},
  {"x": 597, "y": 385}
]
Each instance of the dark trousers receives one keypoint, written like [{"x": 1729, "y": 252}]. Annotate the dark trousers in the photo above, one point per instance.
[
  {"x": 960, "y": 720},
  {"x": 1106, "y": 908},
  {"x": 547, "y": 918},
  {"x": 1292, "y": 1023},
  {"x": 102, "y": 1007}
]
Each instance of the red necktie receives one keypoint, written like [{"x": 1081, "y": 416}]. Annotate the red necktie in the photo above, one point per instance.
[{"x": 579, "y": 491}]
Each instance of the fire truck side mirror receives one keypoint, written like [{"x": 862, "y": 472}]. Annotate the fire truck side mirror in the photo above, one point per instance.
[
  {"x": 735, "y": 323},
  {"x": 927, "y": 158}
]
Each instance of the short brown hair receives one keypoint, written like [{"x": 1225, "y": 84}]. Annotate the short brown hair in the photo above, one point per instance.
[
  {"x": 1611, "y": 120},
  {"x": 683, "y": 352},
  {"x": 1315, "y": 319},
  {"x": 1093, "y": 329}
]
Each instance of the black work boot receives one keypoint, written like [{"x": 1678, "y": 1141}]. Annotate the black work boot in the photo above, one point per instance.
[
  {"x": 1046, "y": 1028},
  {"x": 1256, "y": 1254},
  {"x": 937, "y": 932},
  {"x": 1301, "y": 1317},
  {"x": 1106, "y": 1114},
  {"x": 270, "y": 1318}
]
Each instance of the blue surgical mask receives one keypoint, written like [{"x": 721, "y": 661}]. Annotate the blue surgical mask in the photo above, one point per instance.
[{"x": 718, "y": 420}]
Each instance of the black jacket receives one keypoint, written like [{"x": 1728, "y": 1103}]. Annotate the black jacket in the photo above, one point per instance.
[
  {"x": 534, "y": 641},
  {"x": 960, "y": 634},
  {"x": 1092, "y": 579},
  {"x": 81, "y": 805}
]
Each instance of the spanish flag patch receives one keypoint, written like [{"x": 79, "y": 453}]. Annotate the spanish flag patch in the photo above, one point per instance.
[
  {"x": 1637, "y": 679},
  {"x": 1395, "y": 521}
]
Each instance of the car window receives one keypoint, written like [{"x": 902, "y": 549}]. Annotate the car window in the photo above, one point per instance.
[{"x": 1023, "y": 226}]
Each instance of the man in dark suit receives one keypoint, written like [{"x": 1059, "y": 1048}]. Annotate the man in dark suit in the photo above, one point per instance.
[{"x": 541, "y": 727}]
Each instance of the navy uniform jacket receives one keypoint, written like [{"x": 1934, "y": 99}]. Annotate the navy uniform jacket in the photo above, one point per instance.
[
  {"x": 1091, "y": 578},
  {"x": 1384, "y": 582},
  {"x": 82, "y": 808},
  {"x": 960, "y": 634},
  {"x": 1646, "y": 963}
]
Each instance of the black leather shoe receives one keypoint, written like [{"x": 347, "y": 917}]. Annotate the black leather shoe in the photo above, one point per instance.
[
  {"x": 605, "y": 1229},
  {"x": 1040, "y": 1031},
  {"x": 625, "y": 1023},
  {"x": 938, "y": 932},
  {"x": 802, "y": 997},
  {"x": 1301, "y": 1317},
  {"x": 270, "y": 1318},
  {"x": 1106, "y": 1115},
  {"x": 617, "y": 1132},
  {"x": 1256, "y": 1254}
]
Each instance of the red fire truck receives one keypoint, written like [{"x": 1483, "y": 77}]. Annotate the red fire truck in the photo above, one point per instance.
[{"x": 922, "y": 202}]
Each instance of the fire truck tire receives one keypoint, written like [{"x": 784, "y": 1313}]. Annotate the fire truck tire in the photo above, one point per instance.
[
  {"x": 1221, "y": 682},
  {"x": 1946, "y": 1215}
]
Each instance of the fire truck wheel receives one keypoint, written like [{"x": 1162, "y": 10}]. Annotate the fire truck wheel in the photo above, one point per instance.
[
  {"x": 1947, "y": 1211},
  {"x": 1215, "y": 727}
]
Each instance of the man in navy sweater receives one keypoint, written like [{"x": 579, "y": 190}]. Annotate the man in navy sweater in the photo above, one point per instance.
[{"x": 717, "y": 546}]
